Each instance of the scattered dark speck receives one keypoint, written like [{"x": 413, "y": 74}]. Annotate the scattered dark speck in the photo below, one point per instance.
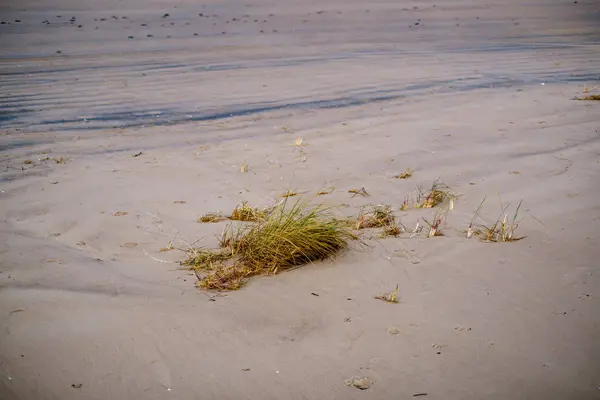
[
  {"x": 150, "y": 35},
  {"x": 143, "y": 24},
  {"x": 165, "y": 16},
  {"x": 58, "y": 52},
  {"x": 314, "y": 294},
  {"x": 222, "y": 33},
  {"x": 275, "y": 30},
  {"x": 3, "y": 23},
  {"x": 417, "y": 23},
  {"x": 77, "y": 385},
  {"x": 80, "y": 26},
  {"x": 130, "y": 37},
  {"x": 439, "y": 352},
  {"x": 17, "y": 20}
]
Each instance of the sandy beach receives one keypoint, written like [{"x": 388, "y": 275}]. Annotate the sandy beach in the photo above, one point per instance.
[{"x": 122, "y": 122}]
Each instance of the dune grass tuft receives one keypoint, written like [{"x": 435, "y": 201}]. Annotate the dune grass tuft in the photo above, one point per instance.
[
  {"x": 437, "y": 194},
  {"x": 389, "y": 297},
  {"x": 289, "y": 193},
  {"x": 375, "y": 217},
  {"x": 362, "y": 192},
  {"x": 325, "y": 191},
  {"x": 589, "y": 97},
  {"x": 211, "y": 218},
  {"x": 244, "y": 212},
  {"x": 436, "y": 225},
  {"x": 393, "y": 229},
  {"x": 503, "y": 230},
  {"x": 203, "y": 259},
  {"x": 405, "y": 175},
  {"x": 290, "y": 236},
  {"x": 224, "y": 277}
]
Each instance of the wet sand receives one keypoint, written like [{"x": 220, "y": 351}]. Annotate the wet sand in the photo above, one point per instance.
[{"x": 477, "y": 94}]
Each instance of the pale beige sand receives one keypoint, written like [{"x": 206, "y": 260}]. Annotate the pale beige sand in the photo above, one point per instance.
[{"x": 469, "y": 104}]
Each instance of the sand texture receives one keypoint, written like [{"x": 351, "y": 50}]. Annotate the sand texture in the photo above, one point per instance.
[{"x": 121, "y": 125}]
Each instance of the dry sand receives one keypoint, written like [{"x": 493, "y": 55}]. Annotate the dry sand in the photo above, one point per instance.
[{"x": 474, "y": 91}]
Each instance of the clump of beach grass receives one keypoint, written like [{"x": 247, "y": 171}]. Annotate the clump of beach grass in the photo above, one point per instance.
[
  {"x": 211, "y": 218},
  {"x": 589, "y": 97},
  {"x": 290, "y": 236},
  {"x": 362, "y": 192},
  {"x": 394, "y": 229},
  {"x": 376, "y": 216},
  {"x": 289, "y": 193},
  {"x": 203, "y": 259},
  {"x": 503, "y": 230},
  {"x": 324, "y": 192},
  {"x": 405, "y": 175},
  {"x": 390, "y": 297},
  {"x": 244, "y": 212},
  {"x": 436, "y": 225},
  {"x": 438, "y": 193}
]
